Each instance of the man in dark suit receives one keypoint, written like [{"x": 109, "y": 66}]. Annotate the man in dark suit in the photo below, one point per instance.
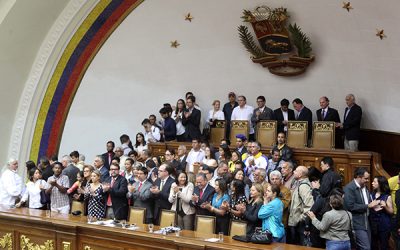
[
  {"x": 203, "y": 192},
  {"x": 358, "y": 201},
  {"x": 283, "y": 115},
  {"x": 109, "y": 155},
  {"x": 140, "y": 194},
  {"x": 191, "y": 120},
  {"x": 182, "y": 156},
  {"x": 160, "y": 191},
  {"x": 326, "y": 113},
  {"x": 262, "y": 112},
  {"x": 115, "y": 191},
  {"x": 303, "y": 114},
  {"x": 228, "y": 109},
  {"x": 351, "y": 123},
  {"x": 69, "y": 169}
]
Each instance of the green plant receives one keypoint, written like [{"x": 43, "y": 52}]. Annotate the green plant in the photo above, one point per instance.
[{"x": 300, "y": 40}]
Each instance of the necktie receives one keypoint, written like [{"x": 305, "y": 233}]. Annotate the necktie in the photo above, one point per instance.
[
  {"x": 161, "y": 185},
  {"x": 201, "y": 193},
  {"x": 109, "y": 202},
  {"x": 109, "y": 158},
  {"x": 323, "y": 114},
  {"x": 140, "y": 185}
]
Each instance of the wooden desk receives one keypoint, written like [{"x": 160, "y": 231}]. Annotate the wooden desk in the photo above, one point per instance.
[
  {"x": 23, "y": 228},
  {"x": 345, "y": 161}
]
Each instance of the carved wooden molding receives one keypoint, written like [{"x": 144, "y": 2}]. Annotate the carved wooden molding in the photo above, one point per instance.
[
  {"x": 267, "y": 124},
  {"x": 240, "y": 124},
  {"x": 6, "y": 241},
  {"x": 220, "y": 124},
  {"x": 66, "y": 245},
  {"x": 324, "y": 127},
  {"x": 297, "y": 126},
  {"x": 26, "y": 244},
  {"x": 87, "y": 248}
]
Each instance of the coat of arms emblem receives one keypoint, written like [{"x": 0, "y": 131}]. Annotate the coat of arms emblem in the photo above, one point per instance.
[{"x": 283, "y": 48}]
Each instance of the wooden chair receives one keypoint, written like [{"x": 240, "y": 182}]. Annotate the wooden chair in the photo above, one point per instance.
[
  {"x": 168, "y": 218},
  {"x": 266, "y": 132},
  {"x": 237, "y": 227},
  {"x": 205, "y": 224},
  {"x": 323, "y": 135},
  {"x": 297, "y": 134},
  {"x": 137, "y": 216},
  {"x": 239, "y": 127},
  {"x": 78, "y": 206},
  {"x": 217, "y": 132}
]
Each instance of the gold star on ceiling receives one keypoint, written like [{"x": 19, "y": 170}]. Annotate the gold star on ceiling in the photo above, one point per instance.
[
  {"x": 380, "y": 34},
  {"x": 347, "y": 6},
  {"x": 188, "y": 17},
  {"x": 174, "y": 44}
]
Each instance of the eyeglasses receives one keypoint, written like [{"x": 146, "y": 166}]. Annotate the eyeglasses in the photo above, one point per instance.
[{"x": 114, "y": 169}]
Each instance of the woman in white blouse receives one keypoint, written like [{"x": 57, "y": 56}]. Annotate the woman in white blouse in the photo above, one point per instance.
[
  {"x": 215, "y": 113},
  {"x": 177, "y": 116},
  {"x": 33, "y": 188},
  {"x": 180, "y": 196}
]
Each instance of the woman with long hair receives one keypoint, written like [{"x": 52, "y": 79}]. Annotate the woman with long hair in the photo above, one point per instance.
[
  {"x": 215, "y": 113},
  {"x": 180, "y": 196},
  {"x": 224, "y": 153},
  {"x": 235, "y": 156},
  {"x": 140, "y": 143},
  {"x": 208, "y": 156},
  {"x": 381, "y": 213},
  {"x": 250, "y": 211},
  {"x": 239, "y": 175},
  {"x": 271, "y": 213},
  {"x": 220, "y": 197},
  {"x": 80, "y": 196},
  {"x": 237, "y": 197},
  {"x": 177, "y": 116},
  {"x": 33, "y": 188},
  {"x": 95, "y": 195}
]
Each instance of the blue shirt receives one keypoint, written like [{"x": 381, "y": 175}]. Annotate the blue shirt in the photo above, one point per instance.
[
  {"x": 271, "y": 216},
  {"x": 217, "y": 204}
]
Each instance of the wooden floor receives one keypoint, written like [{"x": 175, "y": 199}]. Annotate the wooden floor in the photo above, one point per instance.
[{"x": 23, "y": 228}]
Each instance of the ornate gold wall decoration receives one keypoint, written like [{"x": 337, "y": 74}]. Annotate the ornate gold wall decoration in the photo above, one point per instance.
[
  {"x": 26, "y": 244},
  {"x": 188, "y": 17},
  {"x": 87, "y": 248},
  {"x": 66, "y": 245},
  {"x": 282, "y": 47},
  {"x": 380, "y": 33},
  {"x": 6, "y": 241},
  {"x": 175, "y": 44},
  {"x": 347, "y": 6}
]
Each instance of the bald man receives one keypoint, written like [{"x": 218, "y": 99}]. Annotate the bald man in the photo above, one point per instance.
[{"x": 302, "y": 201}]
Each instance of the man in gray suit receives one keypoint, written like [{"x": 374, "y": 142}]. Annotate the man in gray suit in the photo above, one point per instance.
[
  {"x": 69, "y": 169},
  {"x": 262, "y": 112},
  {"x": 140, "y": 194}
]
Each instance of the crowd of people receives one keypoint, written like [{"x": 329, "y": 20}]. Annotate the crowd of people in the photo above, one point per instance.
[
  {"x": 185, "y": 121},
  {"x": 296, "y": 204}
]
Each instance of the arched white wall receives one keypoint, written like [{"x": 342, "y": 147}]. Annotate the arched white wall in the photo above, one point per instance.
[{"x": 136, "y": 71}]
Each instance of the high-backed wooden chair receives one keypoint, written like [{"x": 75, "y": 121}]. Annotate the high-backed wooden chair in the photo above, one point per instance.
[
  {"x": 217, "y": 132},
  {"x": 297, "y": 134},
  {"x": 266, "y": 132},
  {"x": 168, "y": 218},
  {"x": 239, "y": 127},
  {"x": 323, "y": 135},
  {"x": 78, "y": 206},
  {"x": 205, "y": 224},
  {"x": 237, "y": 227},
  {"x": 137, "y": 216}
]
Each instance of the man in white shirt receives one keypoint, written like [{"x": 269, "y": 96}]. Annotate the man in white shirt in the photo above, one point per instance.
[
  {"x": 255, "y": 160},
  {"x": 195, "y": 156},
  {"x": 10, "y": 184},
  {"x": 151, "y": 132},
  {"x": 244, "y": 112}
]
